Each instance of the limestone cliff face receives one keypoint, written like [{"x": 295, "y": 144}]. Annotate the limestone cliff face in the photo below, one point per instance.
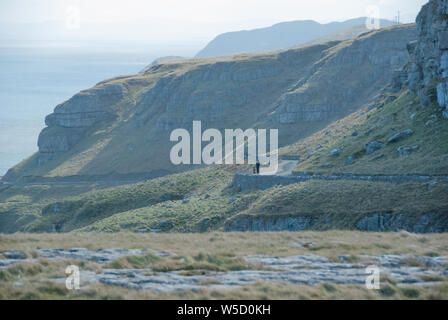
[
  {"x": 121, "y": 125},
  {"x": 428, "y": 67},
  {"x": 218, "y": 93},
  {"x": 70, "y": 119},
  {"x": 86, "y": 107},
  {"x": 348, "y": 75},
  {"x": 292, "y": 87}
]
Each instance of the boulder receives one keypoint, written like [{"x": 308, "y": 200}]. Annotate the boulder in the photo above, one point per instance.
[
  {"x": 373, "y": 146},
  {"x": 429, "y": 122},
  {"x": 333, "y": 153},
  {"x": 406, "y": 150},
  {"x": 400, "y": 136},
  {"x": 379, "y": 156},
  {"x": 350, "y": 160}
]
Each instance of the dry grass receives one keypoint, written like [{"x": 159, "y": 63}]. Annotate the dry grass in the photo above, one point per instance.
[
  {"x": 259, "y": 291},
  {"x": 327, "y": 243},
  {"x": 379, "y": 125},
  {"x": 199, "y": 253}
]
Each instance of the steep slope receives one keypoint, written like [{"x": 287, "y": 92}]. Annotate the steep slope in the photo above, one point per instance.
[
  {"x": 122, "y": 125},
  {"x": 278, "y": 36},
  {"x": 406, "y": 136},
  {"x": 396, "y": 138},
  {"x": 427, "y": 72},
  {"x": 397, "y": 126}
]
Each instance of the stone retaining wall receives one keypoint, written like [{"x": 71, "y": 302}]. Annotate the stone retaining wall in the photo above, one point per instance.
[{"x": 250, "y": 181}]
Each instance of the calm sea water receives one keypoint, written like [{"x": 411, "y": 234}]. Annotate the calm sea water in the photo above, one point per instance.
[{"x": 35, "y": 78}]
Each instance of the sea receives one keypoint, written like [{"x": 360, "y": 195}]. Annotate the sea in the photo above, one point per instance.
[{"x": 37, "y": 76}]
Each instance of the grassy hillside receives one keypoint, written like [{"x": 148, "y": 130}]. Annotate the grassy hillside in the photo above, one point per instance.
[
  {"x": 345, "y": 203},
  {"x": 239, "y": 92},
  {"x": 21, "y": 205},
  {"x": 349, "y": 136},
  {"x": 80, "y": 211},
  {"x": 244, "y": 91},
  {"x": 203, "y": 200}
]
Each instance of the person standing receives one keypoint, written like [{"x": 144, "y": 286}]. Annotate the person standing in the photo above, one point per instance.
[{"x": 257, "y": 166}]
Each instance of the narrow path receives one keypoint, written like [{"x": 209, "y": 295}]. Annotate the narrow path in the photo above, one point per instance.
[{"x": 284, "y": 168}]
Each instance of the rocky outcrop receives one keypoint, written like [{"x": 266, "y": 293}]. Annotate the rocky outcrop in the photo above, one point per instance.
[
  {"x": 331, "y": 86},
  {"x": 373, "y": 146},
  {"x": 426, "y": 223},
  {"x": 400, "y": 136},
  {"x": 212, "y": 92},
  {"x": 54, "y": 141},
  {"x": 306, "y": 269},
  {"x": 87, "y": 107},
  {"x": 269, "y": 223},
  {"x": 428, "y": 66},
  {"x": 406, "y": 150},
  {"x": 311, "y": 84},
  {"x": 430, "y": 222},
  {"x": 70, "y": 119}
]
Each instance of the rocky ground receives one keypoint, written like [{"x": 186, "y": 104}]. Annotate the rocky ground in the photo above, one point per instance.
[
  {"x": 169, "y": 272},
  {"x": 303, "y": 269}
]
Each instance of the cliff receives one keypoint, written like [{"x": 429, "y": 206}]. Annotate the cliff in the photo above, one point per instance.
[
  {"x": 405, "y": 131},
  {"x": 428, "y": 68},
  {"x": 122, "y": 125},
  {"x": 351, "y": 73},
  {"x": 366, "y": 122}
]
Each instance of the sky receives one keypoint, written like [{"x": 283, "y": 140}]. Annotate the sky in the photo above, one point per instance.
[{"x": 192, "y": 19}]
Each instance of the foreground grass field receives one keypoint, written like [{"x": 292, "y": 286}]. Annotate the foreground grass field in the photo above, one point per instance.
[{"x": 210, "y": 252}]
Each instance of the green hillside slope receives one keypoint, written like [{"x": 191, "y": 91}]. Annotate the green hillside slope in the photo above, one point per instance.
[
  {"x": 122, "y": 125},
  {"x": 350, "y": 136}
]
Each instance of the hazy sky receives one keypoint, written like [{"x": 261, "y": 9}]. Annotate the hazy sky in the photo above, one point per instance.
[{"x": 203, "y": 18}]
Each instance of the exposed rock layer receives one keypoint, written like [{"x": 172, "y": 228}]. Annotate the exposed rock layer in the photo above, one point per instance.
[
  {"x": 296, "y": 91},
  {"x": 70, "y": 119},
  {"x": 428, "y": 67}
]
